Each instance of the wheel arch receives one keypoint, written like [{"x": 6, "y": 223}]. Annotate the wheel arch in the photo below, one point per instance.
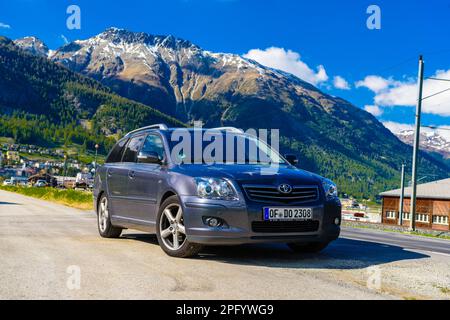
[
  {"x": 166, "y": 195},
  {"x": 97, "y": 200}
]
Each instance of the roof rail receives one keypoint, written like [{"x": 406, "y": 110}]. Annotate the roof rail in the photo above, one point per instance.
[
  {"x": 160, "y": 126},
  {"x": 230, "y": 129}
]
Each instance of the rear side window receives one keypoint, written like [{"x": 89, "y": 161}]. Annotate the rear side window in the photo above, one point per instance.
[
  {"x": 132, "y": 149},
  {"x": 116, "y": 153}
]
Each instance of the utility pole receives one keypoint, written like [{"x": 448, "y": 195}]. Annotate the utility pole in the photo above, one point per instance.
[
  {"x": 402, "y": 195},
  {"x": 416, "y": 145},
  {"x": 65, "y": 169},
  {"x": 96, "y": 153}
]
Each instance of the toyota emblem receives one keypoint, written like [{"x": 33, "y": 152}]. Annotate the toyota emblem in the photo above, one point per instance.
[{"x": 284, "y": 188}]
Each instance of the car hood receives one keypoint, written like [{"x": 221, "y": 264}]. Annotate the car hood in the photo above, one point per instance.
[{"x": 251, "y": 174}]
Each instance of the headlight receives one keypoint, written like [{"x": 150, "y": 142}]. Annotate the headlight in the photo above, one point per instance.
[
  {"x": 330, "y": 189},
  {"x": 215, "y": 188}
]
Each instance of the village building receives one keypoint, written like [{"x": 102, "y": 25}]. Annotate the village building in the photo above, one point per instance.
[{"x": 432, "y": 206}]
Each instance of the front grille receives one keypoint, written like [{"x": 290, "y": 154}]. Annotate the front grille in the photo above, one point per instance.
[
  {"x": 285, "y": 226},
  {"x": 271, "y": 194}
]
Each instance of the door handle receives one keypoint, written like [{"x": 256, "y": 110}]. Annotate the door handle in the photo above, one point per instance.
[{"x": 131, "y": 174}]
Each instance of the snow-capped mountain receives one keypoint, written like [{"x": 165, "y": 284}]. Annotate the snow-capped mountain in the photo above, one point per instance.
[
  {"x": 33, "y": 45},
  {"x": 430, "y": 140},
  {"x": 182, "y": 80},
  {"x": 176, "y": 75}
]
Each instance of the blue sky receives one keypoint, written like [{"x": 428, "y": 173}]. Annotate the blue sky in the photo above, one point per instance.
[{"x": 325, "y": 41}]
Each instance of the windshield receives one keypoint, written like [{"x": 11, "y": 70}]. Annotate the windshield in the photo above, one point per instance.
[{"x": 196, "y": 146}]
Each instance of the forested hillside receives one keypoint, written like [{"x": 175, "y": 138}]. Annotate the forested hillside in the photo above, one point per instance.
[
  {"x": 47, "y": 104},
  {"x": 44, "y": 102}
]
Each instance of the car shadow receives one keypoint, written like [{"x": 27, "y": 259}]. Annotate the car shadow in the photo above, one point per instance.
[
  {"x": 340, "y": 254},
  {"x": 9, "y": 203}
]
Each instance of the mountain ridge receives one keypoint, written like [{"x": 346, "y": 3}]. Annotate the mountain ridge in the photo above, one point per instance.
[
  {"x": 332, "y": 137},
  {"x": 35, "y": 91},
  {"x": 430, "y": 141}
]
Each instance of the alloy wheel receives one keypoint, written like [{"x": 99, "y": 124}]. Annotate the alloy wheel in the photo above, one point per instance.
[
  {"x": 103, "y": 215},
  {"x": 171, "y": 227}
]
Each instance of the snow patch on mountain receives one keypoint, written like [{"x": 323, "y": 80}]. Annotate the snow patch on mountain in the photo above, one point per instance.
[
  {"x": 33, "y": 45},
  {"x": 432, "y": 140}
]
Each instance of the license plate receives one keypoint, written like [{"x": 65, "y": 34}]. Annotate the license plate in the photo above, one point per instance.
[{"x": 287, "y": 214}]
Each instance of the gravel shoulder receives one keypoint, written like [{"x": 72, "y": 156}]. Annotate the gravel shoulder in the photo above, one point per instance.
[{"x": 45, "y": 246}]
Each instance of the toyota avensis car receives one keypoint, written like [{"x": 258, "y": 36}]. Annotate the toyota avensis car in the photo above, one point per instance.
[{"x": 149, "y": 184}]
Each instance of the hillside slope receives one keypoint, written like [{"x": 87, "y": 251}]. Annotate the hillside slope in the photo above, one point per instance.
[
  {"x": 332, "y": 137},
  {"x": 42, "y": 102}
]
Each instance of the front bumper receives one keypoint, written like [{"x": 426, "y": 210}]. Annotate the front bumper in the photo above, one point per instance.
[{"x": 240, "y": 216}]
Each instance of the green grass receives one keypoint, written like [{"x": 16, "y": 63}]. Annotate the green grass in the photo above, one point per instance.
[
  {"x": 415, "y": 233},
  {"x": 73, "y": 150},
  {"x": 6, "y": 140},
  {"x": 71, "y": 198},
  {"x": 444, "y": 290},
  {"x": 38, "y": 157},
  {"x": 89, "y": 158},
  {"x": 429, "y": 235}
]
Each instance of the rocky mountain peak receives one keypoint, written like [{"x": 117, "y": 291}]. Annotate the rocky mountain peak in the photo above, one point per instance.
[
  {"x": 33, "y": 45},
  {"x": 430, "y": 140},
  {"x": 117, "y": 35},
  {"x": 220, "y": 89}
]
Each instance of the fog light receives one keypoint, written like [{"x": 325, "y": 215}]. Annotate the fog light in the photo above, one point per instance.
[
  {"x": 337, "y": 221},
  {"x": 213, "y": 222}
]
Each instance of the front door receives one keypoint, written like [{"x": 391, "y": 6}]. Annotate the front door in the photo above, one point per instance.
[
  {"x": 129, "y": 208},
  {"x": 144, "y": 185}
]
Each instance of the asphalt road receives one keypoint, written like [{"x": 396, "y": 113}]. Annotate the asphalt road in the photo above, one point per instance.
[
  {"x": 49, "y": 251},
  {"x": 405, "y": 241}
]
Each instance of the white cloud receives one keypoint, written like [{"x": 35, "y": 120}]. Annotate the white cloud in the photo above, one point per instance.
[
  {"x": 64, "y": 38},
  {"x": 390, "y": 93},
  {"x": 4, "y": 25},
  {"x": 375, "y": 110},
  {"x": 374, "y": 83},
  {"x": 402, "y": 94},
  {"x": 288, "y": 61},
  {"x": 397, "y": 128},
  {"x": 444, "y": 131},
  {"x": 341, "y": 83}
]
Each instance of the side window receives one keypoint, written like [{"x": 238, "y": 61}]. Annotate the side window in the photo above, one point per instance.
[
  {"x": 116, "y": 153},
  {"x": 154, "y": 144},
  {"x": 132, "y": 149}
]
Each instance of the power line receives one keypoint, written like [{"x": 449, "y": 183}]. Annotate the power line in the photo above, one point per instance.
[
  {"x": 396, "y": 65},
  {"x": 438, "y": 79},
  {"x": 435, "y": 94},
  {"x": 437, "y": 52},
  {"x": 436, "y": 127}
]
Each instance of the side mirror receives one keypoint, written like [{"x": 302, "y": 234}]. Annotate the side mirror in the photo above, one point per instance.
[
  {"x": 292, "y": 159},
  {"x": 148, "y": 157}
]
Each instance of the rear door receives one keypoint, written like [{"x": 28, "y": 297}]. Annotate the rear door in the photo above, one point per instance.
[
  {"x": 145, "y": 179},
  {"x": 115, "y": 174}
]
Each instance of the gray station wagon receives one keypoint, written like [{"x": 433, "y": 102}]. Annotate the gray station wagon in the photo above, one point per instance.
[{"x": 149, "y": 183}]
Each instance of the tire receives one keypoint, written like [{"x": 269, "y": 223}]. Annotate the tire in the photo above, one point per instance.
[
  {"x": 170, "y": 230},
  {"x": 312, "y": 247},
  {"x": 105, "y": 228}
]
